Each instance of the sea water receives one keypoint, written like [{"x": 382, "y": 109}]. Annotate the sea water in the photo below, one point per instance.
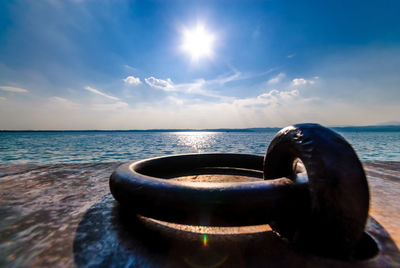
[{"x": 38, "y": 147}]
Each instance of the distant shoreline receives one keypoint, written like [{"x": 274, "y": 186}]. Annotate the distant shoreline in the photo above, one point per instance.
[{"x": 388, "y": 128}]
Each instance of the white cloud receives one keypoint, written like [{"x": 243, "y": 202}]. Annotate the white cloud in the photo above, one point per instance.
[
  {"x": 273, "y": 108},
  {"x": 273, "y": 97},
  {"x": 93, "y": 90},
  {"x": 106, "y": 106},
  {"x": 280, "y": 94},
  {"x": 302, "y": 81},
  {"x": 58, "y": 101},
  {"x": 276, "y": 79},
  {"x": 131, "y": 80},
  {"x": 14, "y": 89},
  {"x": 291, "y": 55},
  {"x": 299, "y": 81},
  {"x": 195, "y": 87},
  {"x": 2, "y": 99},
  {"x": 165, "y": 85},
  {"x": 223, "y": 79}
]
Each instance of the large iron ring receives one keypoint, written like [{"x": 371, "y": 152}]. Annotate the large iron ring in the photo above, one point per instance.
[{"x": 339, "y": 195}]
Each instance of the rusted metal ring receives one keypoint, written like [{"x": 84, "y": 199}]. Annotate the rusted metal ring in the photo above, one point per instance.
[
  {"x": 339, "y": 195},
  {"x": 143, "y": 187}
]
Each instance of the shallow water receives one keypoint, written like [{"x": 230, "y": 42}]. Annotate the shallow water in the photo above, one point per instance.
[{"x": 103, "y": 146}]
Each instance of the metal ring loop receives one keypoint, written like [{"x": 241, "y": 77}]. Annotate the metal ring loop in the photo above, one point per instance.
[
  {"x": 339, "y": 195},
  {"x": 141, "y": 187}
]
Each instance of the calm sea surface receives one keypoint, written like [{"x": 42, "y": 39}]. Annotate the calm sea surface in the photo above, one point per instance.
[{"x": 69, "y": 147}]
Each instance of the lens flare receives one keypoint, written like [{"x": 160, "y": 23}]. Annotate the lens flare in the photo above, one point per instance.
[{"x": 204, "y": 240}]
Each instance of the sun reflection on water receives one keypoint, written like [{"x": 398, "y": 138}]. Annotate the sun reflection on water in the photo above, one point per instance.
[{"x": 197, "y": 141}]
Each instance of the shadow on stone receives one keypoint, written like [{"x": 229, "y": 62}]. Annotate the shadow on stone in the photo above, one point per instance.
[{"x": 110, "y": 236}]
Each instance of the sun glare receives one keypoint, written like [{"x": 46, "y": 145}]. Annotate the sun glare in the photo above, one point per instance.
[{"x": 198, "y": 42}]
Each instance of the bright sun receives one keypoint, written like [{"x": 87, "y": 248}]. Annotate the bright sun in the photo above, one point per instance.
[{"x": 198, "y": 42}]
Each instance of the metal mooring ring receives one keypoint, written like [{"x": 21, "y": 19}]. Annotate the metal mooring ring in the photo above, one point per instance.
[
  {"x": 339, "y": 195},
  {"x": 328, "y": 211}
]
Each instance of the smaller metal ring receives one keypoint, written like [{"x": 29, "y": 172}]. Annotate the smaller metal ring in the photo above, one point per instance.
[{"x": 143, "y": 187}]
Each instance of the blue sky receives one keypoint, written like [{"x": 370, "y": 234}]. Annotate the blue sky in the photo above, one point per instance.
[{"x": 121, "y": 64}]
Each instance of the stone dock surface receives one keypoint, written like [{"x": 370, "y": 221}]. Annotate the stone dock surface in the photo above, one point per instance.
[{"x": 63, "y": 215}]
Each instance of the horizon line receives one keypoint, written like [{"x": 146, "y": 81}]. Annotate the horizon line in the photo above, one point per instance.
[{"x": 249, "y": 129}]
